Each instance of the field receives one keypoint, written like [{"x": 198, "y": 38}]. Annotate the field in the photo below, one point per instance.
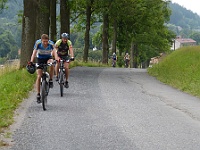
[{"x": 180, "y": 69}]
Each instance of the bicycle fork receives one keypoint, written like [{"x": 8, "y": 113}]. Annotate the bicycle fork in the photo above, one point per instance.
[{"x": 45, "y": 77}]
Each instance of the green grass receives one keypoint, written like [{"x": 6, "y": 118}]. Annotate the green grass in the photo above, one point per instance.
[
  {"x": 88, "y": 64},
  {"x": 180, "y": 69},
  {"x": 15, "y": 86}
]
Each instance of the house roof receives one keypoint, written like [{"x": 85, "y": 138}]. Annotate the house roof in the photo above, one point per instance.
[{"x": 183, "y": 40}]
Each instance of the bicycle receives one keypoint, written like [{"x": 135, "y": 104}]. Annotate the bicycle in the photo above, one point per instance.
[
  {"x": 126, "y": 63},
  {"x": 44, "y": 83},
  {"x": 61, "y": 74},
  {"x": 113, "y": 63}
]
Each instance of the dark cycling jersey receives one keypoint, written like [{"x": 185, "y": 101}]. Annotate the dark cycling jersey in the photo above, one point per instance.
[
  {"x": 114, "y": 57},
  {"x": 63, "y": 48}
]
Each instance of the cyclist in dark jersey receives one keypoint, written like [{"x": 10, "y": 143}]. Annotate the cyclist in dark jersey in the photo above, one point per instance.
[
  {"x": 114, "y": 59},
  {"x": 64, "y": 50}
]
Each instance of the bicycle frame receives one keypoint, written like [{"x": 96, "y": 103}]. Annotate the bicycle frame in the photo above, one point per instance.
[
  {"x": 44, "y": 83},
  {"x": 61, "y": 68},
  {"x": 62, "y": 74}
]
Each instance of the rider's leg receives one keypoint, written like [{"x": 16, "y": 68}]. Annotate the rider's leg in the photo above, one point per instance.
[
  {"x": 66, "y": 74},
  {"x": 57, "y": 68},
  {"x": 51, "y": 71},
  {"x": 39, "y": 75},
  {"x": 66, "y": 70}
]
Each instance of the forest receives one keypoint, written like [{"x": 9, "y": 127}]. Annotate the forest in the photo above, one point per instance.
[{"x": 142, "y": 28}]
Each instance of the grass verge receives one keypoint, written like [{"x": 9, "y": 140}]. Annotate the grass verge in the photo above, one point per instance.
[
  {"x": 15, "y": 86},
  {"x": 180, "y": 69},
  {"x": 88, "y": 64}
]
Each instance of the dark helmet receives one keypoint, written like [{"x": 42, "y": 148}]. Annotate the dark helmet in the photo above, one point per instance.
[
  {"x": 65, "y": 35},
  {"x": 31, "y": 68}
]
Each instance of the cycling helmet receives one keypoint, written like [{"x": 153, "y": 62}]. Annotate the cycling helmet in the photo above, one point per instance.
[
  {"x": 65, "y": 35},
  {"x": 31, "y": 68},
  {"x": 114, "y": 53}
]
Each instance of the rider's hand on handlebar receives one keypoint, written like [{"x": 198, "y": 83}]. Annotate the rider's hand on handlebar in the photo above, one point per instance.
[
  {"x": 30, "y": 63},
  {"x": 72, "y": 58}
]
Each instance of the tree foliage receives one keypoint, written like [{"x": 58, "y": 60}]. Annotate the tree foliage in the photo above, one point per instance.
[
  {"x": 184, "y": 18},
  {"x": 8, "y": 46},
  {"x": 2, "y": 5},
  {"x": 134, "y": 26}
]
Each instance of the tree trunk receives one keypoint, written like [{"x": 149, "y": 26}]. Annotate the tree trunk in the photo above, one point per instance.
[
  {"x": 53, "y": 20},
  {"x": 105, "y": 38},
  {"x": 64, "y": 16},
  {"x": 37, "y": 12},
  {"x": 28, "y": 31},
  {"x": 87, "y": 31},
  {"x": 43, "y": 15},
  {"x": 114, "y": 41},
  {"x": 132, "y": 55},
  {"x": 135, "y": 59}
]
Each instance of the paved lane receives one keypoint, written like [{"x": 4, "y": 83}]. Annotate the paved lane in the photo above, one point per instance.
[{"x": 112, "y": 109}]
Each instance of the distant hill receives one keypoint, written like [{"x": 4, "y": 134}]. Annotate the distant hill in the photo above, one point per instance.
[{"x": 183, "y": 17}]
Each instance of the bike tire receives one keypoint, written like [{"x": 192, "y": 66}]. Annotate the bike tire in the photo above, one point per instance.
[
  {"x": 126, "y": 64},
  {"x": 61, "y": 82},
  {"x": 47, "y": 88},
  {"x": 44, "y": 94}
]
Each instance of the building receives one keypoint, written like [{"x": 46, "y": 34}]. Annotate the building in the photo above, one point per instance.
[{"x": 180, "y": 42}]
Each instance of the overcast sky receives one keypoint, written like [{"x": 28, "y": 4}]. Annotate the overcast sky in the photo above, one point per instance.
[{"x": 189, "y": 4}]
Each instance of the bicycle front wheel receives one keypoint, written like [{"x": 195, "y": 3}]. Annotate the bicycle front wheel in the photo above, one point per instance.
[
  {"x": 44, "y": 94},
  {"x": 61, "y": 83}
]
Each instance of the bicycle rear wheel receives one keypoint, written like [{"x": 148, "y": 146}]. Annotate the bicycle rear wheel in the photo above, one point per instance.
[
  {"x": 44, "y": 94},
  {"x": 61, "y": 82}
]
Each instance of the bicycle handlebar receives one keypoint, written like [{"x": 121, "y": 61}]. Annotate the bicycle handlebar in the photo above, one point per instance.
[
  {"x": 67, "y": 60},
  {"x": 45, "y": 64}
]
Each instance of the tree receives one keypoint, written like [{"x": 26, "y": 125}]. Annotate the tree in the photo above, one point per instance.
[
  {"x": 145, "y": 27},
  {"x": 196, "y": 36},
  {"x": 43, "y": 15},
  {"x": 2, "y": 4},
  {"x": 114, "y": 38},
  {"x": 6, "y": 43},
  {"x": 89, "y": 4},
  {"x": 65, "y": 16},
  {"x": 105, "y": 38},
  {"x": 28, "y": 31},
  {"x": 106, "y": 6},
  {"x": 53, "y": 20}
]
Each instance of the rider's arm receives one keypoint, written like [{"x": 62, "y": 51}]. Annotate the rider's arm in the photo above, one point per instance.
[
  {"x": 55, "y": 50},
  {"x": 71, "y": 51},
  {"x": 55, "y": 54},
  {"x": 33, "y": 55}
]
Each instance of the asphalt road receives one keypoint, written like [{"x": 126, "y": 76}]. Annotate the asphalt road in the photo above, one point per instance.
[{"x": 111, "y": 109}]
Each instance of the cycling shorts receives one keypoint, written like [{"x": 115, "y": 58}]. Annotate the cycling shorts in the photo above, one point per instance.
[
  {"x": 66, "y": 58},
  {"x": 42, "y": 61}
]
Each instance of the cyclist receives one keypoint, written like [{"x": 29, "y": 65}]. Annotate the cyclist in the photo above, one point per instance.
[
  {"x": 43, "y": 49},
  {"x": 63, "y": 50},
  {"x": 126, "y": 60},
  {"x": 114, "y": 59}
]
